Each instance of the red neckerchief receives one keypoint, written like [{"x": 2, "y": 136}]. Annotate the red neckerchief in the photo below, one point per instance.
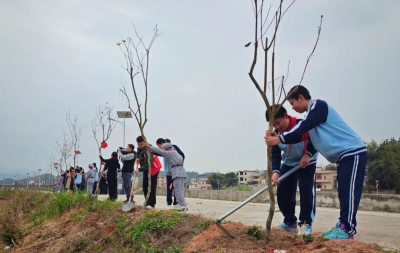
[{"x": 304, "y": 137}]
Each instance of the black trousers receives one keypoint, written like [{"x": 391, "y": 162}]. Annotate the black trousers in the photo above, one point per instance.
[
  {"x": 103, "y": 186},
  {"x": 152, "y": 198},
  {"x": 112, "y": 188},
  {"x": 286, "y": 194}
]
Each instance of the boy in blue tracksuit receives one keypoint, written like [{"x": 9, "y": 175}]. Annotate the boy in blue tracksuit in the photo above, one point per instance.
[
  {"x": 338, "y": 143},
  {"x": 284, "y": 158}
]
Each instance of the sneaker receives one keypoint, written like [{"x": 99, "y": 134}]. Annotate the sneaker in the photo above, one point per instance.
[
  {"x": 183, "y": 208},
  {"x": 150, "y": 207},
  {"x": 332, "y": 229},
  {"x": 339, "y": 233},
  {"x": 286, "y": 227},
  {"x": 308, "y": 229}
]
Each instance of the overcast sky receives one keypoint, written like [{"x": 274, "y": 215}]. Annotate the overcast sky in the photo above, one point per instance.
[{"x": 57, "y": 56}]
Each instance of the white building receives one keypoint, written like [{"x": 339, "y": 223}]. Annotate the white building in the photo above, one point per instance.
[{"x": 248, "y": 176}]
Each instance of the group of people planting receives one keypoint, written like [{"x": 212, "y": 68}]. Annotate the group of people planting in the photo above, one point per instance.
[
  {"x": 298, "y": 142},
  {"x": 134, "y": 162}
]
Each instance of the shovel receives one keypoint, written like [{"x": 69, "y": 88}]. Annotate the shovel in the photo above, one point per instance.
[
  {"x": 130, "y": 204},
  {"x": 218, "y": 221}
]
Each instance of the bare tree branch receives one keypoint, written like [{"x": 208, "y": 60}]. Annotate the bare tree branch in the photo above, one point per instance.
[
  {"x": 63, "y": 148},
  {"x": 76, "y": 132},
  {"x": 141, "y": 53},
  {"x": 270, "y": 44},
  {"x": 313, "y": 50}
]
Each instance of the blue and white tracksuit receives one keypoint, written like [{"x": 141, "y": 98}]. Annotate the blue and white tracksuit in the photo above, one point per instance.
[
  {"x": 284, "y": 158},
  {"x": 338, "y": 143}
]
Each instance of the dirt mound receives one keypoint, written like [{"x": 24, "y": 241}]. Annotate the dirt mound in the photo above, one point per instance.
[{"x": 213, "y": 240}]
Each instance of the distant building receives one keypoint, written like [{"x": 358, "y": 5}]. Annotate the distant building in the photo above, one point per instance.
[
  {"x": 162, "y": 182},
  {"x": 248, "y": 176},
  {"x": 200, "y": 184},
  {"x": 326, "y": 179}
]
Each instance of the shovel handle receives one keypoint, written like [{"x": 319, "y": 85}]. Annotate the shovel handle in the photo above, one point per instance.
[{"x": 132, "y": 186}]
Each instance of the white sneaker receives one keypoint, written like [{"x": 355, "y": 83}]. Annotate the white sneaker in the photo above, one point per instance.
[
  {"x": 150, "y": 207},
  {"x": 182, "y": 208}
]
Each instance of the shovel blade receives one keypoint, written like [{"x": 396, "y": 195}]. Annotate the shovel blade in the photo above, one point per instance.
[{"x": 128, "y": 206}]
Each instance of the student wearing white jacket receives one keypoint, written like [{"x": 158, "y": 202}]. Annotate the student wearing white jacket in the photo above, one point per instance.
[{"x": 178, "y": 172}]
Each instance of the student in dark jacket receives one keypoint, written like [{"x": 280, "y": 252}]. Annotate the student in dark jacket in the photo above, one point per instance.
[
  {"x": 284, "y": 158},
  {"x": 144, "y": 167},
  {"x": 112, "y": 166}
]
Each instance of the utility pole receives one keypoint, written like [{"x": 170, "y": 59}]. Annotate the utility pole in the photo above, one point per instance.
[{"x": 27, "y": 181}]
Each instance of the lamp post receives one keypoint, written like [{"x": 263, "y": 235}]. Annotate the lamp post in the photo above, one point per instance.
[
  {"x": 123, "y": 115},
  {"x": 27, "y": 181},
  {"x": 377, "y": 187}
]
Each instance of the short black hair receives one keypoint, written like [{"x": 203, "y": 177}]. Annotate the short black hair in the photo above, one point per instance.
[
  {"x": 279, "y": 114},
  {"x": 131, "y": 146},
  {"x": 140, "y": 139},
  {"x": 115, "y": 154},
  {"x": 168, "y": 140},
  {"x": 301, "y": 90},
  {"x": 160, "y": 141}
]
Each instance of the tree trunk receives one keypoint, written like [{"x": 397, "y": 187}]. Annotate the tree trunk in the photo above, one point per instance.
[
  {"x": 270, "y": 189},
  {"x": 149, "y": 162}
]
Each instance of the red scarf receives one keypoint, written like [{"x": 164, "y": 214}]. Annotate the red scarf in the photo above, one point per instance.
[{"x": 304, "y": 137}]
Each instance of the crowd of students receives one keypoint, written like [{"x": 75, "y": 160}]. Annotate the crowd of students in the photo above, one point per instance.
[{"x": 76, "y": 179}]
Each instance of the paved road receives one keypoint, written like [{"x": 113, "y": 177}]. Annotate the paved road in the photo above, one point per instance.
[{"x": 378, "y": 227}]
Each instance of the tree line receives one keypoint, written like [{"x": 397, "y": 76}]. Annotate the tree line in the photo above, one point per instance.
[{"x": 383, "y": 164}]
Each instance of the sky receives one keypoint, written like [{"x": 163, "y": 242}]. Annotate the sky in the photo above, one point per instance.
[{"x": 60, "y": 56}]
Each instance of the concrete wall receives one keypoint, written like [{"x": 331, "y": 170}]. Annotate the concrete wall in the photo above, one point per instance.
[{"x": 369, "y": 202}]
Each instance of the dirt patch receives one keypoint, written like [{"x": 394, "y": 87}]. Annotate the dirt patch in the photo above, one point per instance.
[{"x": 213, "y": 240}]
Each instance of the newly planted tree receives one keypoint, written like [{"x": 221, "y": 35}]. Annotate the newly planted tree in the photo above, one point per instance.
[
  {"x": 137, "y": 58},
  {"x": 76, "y": 131},
  {"x": 102, "y": 127},
  {"x": 63, "y": 148},
  {"x": 271, "y": 87}
]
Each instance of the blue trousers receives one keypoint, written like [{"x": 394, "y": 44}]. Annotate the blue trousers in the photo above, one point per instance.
[
  {"x": 350, "y": 178},
  {"x": 286, "y": 194}
]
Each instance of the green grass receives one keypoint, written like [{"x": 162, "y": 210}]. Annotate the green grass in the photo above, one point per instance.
[
  {"x": 307, "y": 238},
  {"x": 154, "y": 221},
  {"x": 203, "y": 224},
  {"x": 255, "y": 232}
]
